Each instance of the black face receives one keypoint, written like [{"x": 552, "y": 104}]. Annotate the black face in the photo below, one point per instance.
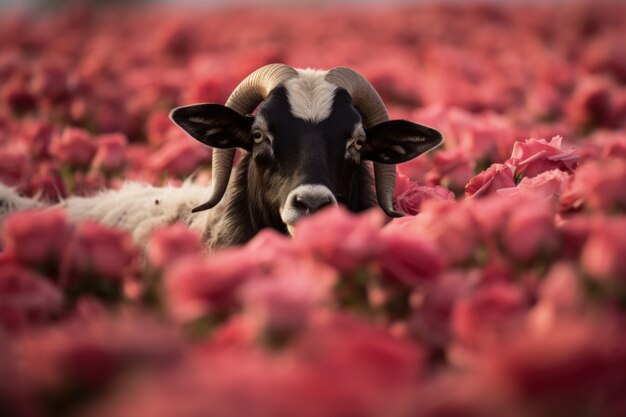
[
  {"x": 295, "y": 166},
  {"x": 289, "y": 152}
]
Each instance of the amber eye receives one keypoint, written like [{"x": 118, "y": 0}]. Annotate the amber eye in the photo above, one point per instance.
[
  {"x": 258, "y": 136},
  {"x": 358, "y": 144}
]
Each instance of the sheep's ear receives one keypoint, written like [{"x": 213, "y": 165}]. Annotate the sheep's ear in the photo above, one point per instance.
[
  {"x": 397, "y": 141},
  {"x": 215, "y": 125}
]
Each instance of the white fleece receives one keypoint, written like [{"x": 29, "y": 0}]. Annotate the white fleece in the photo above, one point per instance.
[{"x": 135, "y": 207}]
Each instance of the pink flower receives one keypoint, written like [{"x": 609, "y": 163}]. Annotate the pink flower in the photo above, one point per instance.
[
  {"x": 603, "y": 254},
  {"x": 489, "y": 314},
  {"x": 199, "y": 286},
  {"x": 449, "y": 225},
  {"x": 341, "y": 239},
  {"x": 409, "y": 195},
  {"x": 576, "y": 359},
  {"x": 530, "y": 231},
  {"x": 453, "y": 169},
  {"x": 496, "y": 177},
  {"x": 89, "y": 354},
  {"x": 285, "y": 300},
  {"x": 26, "y": 297},
  {"x": 590, "y": 104},
  {"x": 16, "y": 166},
  {"x": 157, "y": 127},
  {"x": 598, "y": 186},
  {"x": 110, "y": 156},
  {"x": 74, "y": 147},
  {"x": 36, "y": 237},
  {"x": 179, "y": 158},
  {"x": 560, "y": 296},
  {"x": 105, "y": 252},
  {"x": 535, "y": 156},
  {"x": 47, "y": 183},
  {"x": 38, "y": 136},
  {"x": 408, "y": 259},
  {"x": 171, "y": 243},
  {"x": 546, "y": 185},
  {"x": 431, "y": 318}
]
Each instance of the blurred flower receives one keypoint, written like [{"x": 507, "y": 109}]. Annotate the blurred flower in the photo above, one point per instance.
[
  {"x": 110, "y": 155},
  {"x": 409, "y": 259},
  {"x": 33, "y": 237},
  {"x": 489, "y": 315},
  {"x": 196, "y": 287},
  {"x": 74, "y": 147},
  {"x": 598, "y": 186},
  {"x": 26, "y": 297},
  {"x": 171, "y": 243},
  {"x": 180, "y": 158},
  {"x": 603, "y": 254},
  {"x": 98, "y": 252},
  {"x": 341, "y": 239}
]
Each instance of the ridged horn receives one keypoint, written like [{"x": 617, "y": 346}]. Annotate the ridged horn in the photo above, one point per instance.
[
  {"x": 372, "y": 109},
  {"x": 244, "y": 99}
]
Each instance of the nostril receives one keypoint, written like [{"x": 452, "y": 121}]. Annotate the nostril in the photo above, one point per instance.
[
  {"x": 301, "y": 204},
  {"x": 311, "y": 204}
]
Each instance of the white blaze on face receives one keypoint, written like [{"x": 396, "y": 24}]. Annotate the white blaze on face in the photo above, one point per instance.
[{"x": 310, "y": 96}]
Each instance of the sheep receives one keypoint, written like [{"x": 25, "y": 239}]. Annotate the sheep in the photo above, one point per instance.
[{"x": 309, "y": 144}]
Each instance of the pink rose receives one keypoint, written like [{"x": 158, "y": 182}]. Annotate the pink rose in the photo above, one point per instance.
[
  {"x": 447, "y": 224},
  {"x": 546, "y": 185},
  {"x": 598, "y": 185},
  {"x": 110, "y": 156},
  {"x": 408, "y": 259},
  {"x": 38, "y": 136},
  {"x": 530, "y": 231},
  {"x": 535, "y": 156},
  {"x": 409, "y": 195},
  {"x": 341, "y": 239},
  {"x": 74, "y": 147},
  {"x": 179, "y": 158},
  {"x": 590, "y": 104},
  {"x": 89, "y": 354},
  {"x": 495, "y": 177},
  {"x": 171, "y": 243},
  {"x": 603, "y": 254},
  {"x": 157, "y": 127},
  {"x": 489, "y": 314},
  {"x": 26, "y": 297},
  {"x": 197, "y": 286},
  {"x": 96, "y": 249},
  {"x": 47, "y": 183},
  {"x": 36, "y": 237},
  {"x": 453, "y": 169},
  {"x": 16, "y": 166},
  {"x": 576, "y": 359},
  {"x": 431, "y": 318},
  {"x": 285, "y": 300},
  {"x": 560, "y": 295}
]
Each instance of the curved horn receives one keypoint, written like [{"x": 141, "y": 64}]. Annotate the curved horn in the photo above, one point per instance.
[
  {"x": 369, "y": 104},
  {"x": 244, "y": 99}
]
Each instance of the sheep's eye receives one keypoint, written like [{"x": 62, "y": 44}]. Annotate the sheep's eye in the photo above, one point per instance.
[
  {"x": 358, "y": 144},
  {"x": 258, "y": 136}
]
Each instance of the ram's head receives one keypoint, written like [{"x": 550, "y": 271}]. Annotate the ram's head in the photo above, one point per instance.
[{"x": 308, "y": 139}]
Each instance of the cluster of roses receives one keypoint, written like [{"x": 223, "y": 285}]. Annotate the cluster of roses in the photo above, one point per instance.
[{"x": 501, "y": 292}]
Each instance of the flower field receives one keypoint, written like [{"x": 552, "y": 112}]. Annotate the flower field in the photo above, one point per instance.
[{"x": 501, "y": 292}]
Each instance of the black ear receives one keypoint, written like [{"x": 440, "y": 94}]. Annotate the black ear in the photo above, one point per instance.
[
  {"x": 397, "y": 141},
  {"x": 215, "y": 125}
]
